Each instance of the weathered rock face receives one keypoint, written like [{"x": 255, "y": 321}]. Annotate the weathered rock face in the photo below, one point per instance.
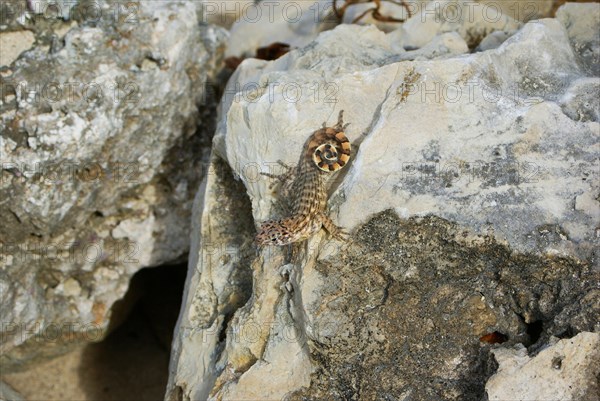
[
  {"x": 260, "y": 24},
  {"x": 577, "y": 18},
  {"x": 99, "y": 163},
  {"x": 566, "y": 370},
  {"x": 406, "y": 308},
  {"x": 472, "y": 200},
  {"x": 8, "y": 393}
]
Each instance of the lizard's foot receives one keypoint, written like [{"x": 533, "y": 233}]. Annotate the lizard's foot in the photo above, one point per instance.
[
  {"x": 334, "y": 231},
  {"x": 275, "y": 176},
  {"x": 280, "y": 178},
  {"x": 340, "y": 235},
  {"x": 285, "y": 166}
]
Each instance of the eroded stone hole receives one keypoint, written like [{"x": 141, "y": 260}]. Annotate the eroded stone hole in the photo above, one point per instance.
[
  {"x": 224, "y": 326},
  {"x": 132, "y": 362},
  {"x": 534, "y": 331}
]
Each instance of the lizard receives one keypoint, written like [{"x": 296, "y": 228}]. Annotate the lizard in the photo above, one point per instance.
[{"x": 325, "y": 152}]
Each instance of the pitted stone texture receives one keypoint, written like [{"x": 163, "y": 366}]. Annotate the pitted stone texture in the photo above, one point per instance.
[
  {"x": 99, "y": 168},
  {"x": 566, "y": 370}
]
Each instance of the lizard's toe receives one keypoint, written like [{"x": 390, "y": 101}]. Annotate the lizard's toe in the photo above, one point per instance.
[{"x": 341, "y": 235}]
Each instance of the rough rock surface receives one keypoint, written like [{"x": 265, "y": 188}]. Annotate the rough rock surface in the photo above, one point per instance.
[
  {"x": 580, "y": 20},
  {"x": 402, "y": 314},
  {"x": 469, "y": 19},
  {"x": 472, "y": 199},
  {"x": 99, "y": 164},
  {"x": 258, "y": 25},
  {"x": 9, "y": 394},
  {"x": 566, "y": 370}
]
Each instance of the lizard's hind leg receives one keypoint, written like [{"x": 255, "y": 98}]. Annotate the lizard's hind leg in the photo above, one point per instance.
[{"x": 334, "y": 231}]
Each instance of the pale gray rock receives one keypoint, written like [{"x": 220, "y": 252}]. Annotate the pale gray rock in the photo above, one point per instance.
[
  {"x": 566, "y": 370},
  {"x": 522, "y": 10},
  {"x": 469, "y": 19},
  {"x": 472, "y": 202},
  {"x": 582, "y": 22},
  {"x": 581, "y": 101},
  {"x": 261, "y": 24},
  {"x": 513, "y": 96},
  {"x": 362, "y": 13},
  {"x": 512, "y": 92},
  {"x": 446, "y": 45},
  {"x": 7, "y": 393},
  {"x": 219, "y": 282},
  {"x": 99, "y": 167},
  {"x": 493, "y": 40},
  {"x": 13, "y": 44}
]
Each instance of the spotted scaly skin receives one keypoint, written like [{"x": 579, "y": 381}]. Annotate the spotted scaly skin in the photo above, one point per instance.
[{"x": 325, "y": 152}]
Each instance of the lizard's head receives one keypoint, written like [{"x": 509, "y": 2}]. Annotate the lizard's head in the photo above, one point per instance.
[{"x": 275, "y": 232}]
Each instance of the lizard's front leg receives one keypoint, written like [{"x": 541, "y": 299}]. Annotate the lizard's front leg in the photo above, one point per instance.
[{"x": 283, "y": 178}]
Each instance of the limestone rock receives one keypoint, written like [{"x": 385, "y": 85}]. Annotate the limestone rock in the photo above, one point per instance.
[
  {"x": 471, "y": 198},
  {"x": 9, "y": 394},
  {"x": 13, "y": 44},
  {"x": 263, "y": 23},
  {"x": 566, "y": 370},
  {"x": 522, "y": 10},
  {"x": 220, "y": 283},
  {"x": 493, "y": 40},
  {"x": 582, "y": 22},
  {"x": 471, "y": 20},
  {"x": 99, "y": 167},
  {"x": 580, "y": 102},
  {"x": 363, "y": 13},
  {"x": 446, "y": 45}
]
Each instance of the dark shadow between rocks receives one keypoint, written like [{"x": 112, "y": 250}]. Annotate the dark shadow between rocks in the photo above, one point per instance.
[{"x": 132, "y": 362}]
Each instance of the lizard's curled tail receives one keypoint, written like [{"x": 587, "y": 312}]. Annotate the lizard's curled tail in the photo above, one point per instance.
[{"x": 329, "y": 147}]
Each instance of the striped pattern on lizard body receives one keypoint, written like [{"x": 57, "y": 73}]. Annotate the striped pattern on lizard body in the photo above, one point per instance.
[{"x": 326, "y": 151}]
